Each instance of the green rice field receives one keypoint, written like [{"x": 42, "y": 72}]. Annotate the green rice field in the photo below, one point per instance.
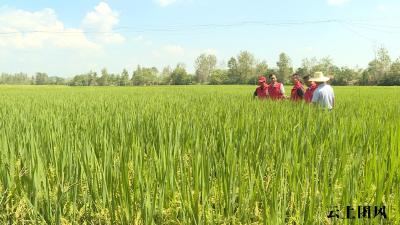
[{"x": 196, "y": 155}]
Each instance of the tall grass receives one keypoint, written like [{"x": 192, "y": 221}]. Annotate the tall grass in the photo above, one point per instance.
[{"x": 194, "y": 155}]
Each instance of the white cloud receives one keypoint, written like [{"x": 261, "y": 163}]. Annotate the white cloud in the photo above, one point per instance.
[
  {"x": 337, "y": 2},
  {"x": 25, "y": 29},
  {"x": 175, "y": 50},
  {"x": 164, "y": 3},
  {"x": 102, "y": 20}
]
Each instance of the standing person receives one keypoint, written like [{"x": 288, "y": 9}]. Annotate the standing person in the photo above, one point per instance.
[
  {"x": 297, "y": 93},
  {"x": 262, "y": 89},
  {"x": 323, "y": 95},
  {"x": 312, "y": 86},
  {"x": 275, "y": 89}
]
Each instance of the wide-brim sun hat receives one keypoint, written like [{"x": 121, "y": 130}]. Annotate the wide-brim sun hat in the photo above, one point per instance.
[{"x": 319, "y": 77}]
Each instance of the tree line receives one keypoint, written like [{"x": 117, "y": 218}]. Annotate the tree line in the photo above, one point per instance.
[{"x": 241, "y": 69}]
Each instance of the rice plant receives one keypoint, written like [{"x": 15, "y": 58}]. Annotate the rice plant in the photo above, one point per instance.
[{"x": 195, "y": 155}]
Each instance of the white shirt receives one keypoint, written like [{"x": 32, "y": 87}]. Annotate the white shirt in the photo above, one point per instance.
[
  {"x": 282, "y": 89},
  {"x": 324, "y": 96}
]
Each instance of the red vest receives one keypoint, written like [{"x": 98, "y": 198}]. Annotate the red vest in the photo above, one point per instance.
[
  {"x": 294, "y": 96},
  {"x": 274, "y": 91},
  {"x": 262, "y": 91},
  {"x": 309, "y": 92}
]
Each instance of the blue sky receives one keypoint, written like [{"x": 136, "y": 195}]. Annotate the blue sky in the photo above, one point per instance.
[{"x": 65, "y": 38}]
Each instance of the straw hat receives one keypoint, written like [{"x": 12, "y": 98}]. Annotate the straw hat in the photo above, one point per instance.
[{"x": 319, "y": 77}]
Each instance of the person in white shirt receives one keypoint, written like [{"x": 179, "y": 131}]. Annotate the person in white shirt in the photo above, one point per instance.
[{"x": 323, "y": 95}]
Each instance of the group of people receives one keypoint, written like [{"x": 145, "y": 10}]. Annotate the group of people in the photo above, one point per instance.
[{"x": 317, "y": 92}]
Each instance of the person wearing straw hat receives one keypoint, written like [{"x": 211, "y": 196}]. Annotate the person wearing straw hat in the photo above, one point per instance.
[
  {"x": 323, "y": 95},
  {"x": 262, "y": 89},
  {"x": 276, "y": 90}
]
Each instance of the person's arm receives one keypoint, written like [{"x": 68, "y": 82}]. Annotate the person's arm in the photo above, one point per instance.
[
  {"x": 255, "y": 94},
  {"x": 282, "y": 89}
]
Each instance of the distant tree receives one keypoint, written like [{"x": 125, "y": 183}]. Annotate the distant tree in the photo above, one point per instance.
[
  {"x": 245, "y": 66},
  {"x": 284, "y": 67},
  {"x": 92, "y": 78},
  {"x": 56, "y": 80},
  {"x": 301, "y": 71},
  {"x": 144, "y": 76},
  {"x": 165, "y": 76},
  {"x": 104, "y": 79},
  {"x": 179, "y": 75},
  {"x": 17, "y": 78},
  {"x": 233, "y": 71},
  {"x": 344, "y": 76},
  {"x": 261, "y": 69},
  {"x": 205, "y": 65},
  {"x": 393, "y": 76},
  {"x": 219, "y": 76},
  {"x": 124, "y": 80},
  {"x": 114, "y": 79},
  {"x": 383, "y": 62},
  {"x": 324, "y": 65},
  {"x": 308, "y": 66},
  {"x": 80, "y": 80},
  {"x": 395, "y": 67},
  {"x": 41, "y": 78},
  {"x": 311, "y": 65},
  {"x": 137, "y": 77}
]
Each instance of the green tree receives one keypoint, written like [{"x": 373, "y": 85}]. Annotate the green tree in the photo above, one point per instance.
[
  {"x": 245, "y": 66},
  {"x": 17, "y": 78},
  {"x": 261, "y": 69},
  {"x": 104, "y": 80},
  {"x": 219, "y": 76},
  {"x": 124, "y": 79},
  {"x": 233, "y": 71},
  {"x": 114, "y": 79},
  {"x": 383, "y": 64},
  {"x": 284, "y": 67},
  {"x": 41, "y": 78},
  {"x": 308, "y": 66},
  {"x": 377, "y": 69},
  {"x": 324, "y": 65},
  {"x": 205, "y": 65},
  {"x": 144, "y": 76},
  {"x": 54, "y": 80},
  {"x": 92, "y": 78},
  {"x": 179, "y": 76},
  {"x": 165, "y": 76},
  {"x": 395, "y": 67},
  {"x": 344, "y": 76},
  {"x": 393, "y": 76}
]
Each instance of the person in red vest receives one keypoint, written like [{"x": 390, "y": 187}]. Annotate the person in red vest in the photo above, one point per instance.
[
  {"x": 297, "y": 92},
  {"x": 310, "y": 90},
  {"x": 275, "y": 89},
  {"x": 262, "y": 89}
]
